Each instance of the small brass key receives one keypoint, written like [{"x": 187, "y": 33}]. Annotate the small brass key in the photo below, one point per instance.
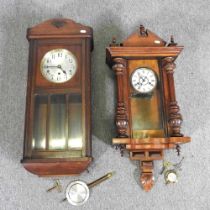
[{"x": 57, "y": 186}]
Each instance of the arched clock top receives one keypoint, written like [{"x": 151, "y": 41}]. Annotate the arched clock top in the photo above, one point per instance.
[{"x": 60, "y": 28}]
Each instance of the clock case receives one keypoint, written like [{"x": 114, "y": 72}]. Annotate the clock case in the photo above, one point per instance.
[
  {"x": 143, "y": 48},
  {"x": 51, "y": 34}
]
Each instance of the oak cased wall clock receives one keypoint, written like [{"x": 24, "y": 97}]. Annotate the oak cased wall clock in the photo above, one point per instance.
[
  {"x": 148, "y": 118},
  {"x": 57, "y": 122}
]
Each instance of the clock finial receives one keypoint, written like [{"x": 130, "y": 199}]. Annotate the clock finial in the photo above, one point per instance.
[
  {"x": 114, "y": 42},
  {"x": 142, "y": 30},
  {"x": 172, "y": 43}
]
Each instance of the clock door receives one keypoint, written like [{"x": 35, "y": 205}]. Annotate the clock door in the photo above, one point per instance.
[
  {"x": 58, "y": 120},
  {"x": 58, "y": 126},
  {"x": 145, "y": 102}
]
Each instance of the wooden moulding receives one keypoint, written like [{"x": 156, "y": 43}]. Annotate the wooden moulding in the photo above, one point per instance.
[
  {"x": 132, "y": 52},
  {"x": 146, "y": 155},
  {"x": 151, "y": 143},
  {"x": 56, "y": 167},
  {"x": 177, "y": 140},
  {"x": 59, "y": 28}
]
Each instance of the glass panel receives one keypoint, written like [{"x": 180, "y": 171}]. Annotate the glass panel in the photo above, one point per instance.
[
  {"x": 39, "y": 125},
  {"x": 146, "y": 116},
  {"x": 75, "y": 122},
  {"x": 57, "y": 119}
]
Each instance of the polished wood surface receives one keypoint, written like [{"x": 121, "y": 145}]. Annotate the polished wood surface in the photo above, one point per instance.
[
  {"x": 56, "y": 167},
  {"x": 157, "y": 118},
  {"x": 59, "y": 28},
  {"x": 77, "y": 38},
  {"x": 147, "y": 179},
  {"x": 144, "y": 52}
]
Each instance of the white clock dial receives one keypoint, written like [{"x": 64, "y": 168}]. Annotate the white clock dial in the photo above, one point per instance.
[
  {"x": 143, "y": 80},
  {"x": 58, "y": 65}
]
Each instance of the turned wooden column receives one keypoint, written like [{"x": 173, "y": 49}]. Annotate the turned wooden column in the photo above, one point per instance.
[
  {"x": 175, "y": 118},
  {"x": 119, "y": 68}
]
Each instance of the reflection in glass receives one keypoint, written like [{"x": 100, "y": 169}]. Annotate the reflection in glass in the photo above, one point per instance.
[
  {"x": 146, "y": 116},
  {"x": 57, "y": 135},
  {"x": 75, "y": 122},
  {"x": 39, "y": 125}
]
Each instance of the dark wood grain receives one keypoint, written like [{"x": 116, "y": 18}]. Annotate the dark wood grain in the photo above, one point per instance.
[
  {"x": 77, "y": 38},
  {"x": 56, "y": 167}
]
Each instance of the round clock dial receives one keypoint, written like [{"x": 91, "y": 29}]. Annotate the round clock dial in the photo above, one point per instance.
[
  {"x": 143, "y": 80},
  {"x": 58, "y": 65},
  {"x": 171, "y": 176}
]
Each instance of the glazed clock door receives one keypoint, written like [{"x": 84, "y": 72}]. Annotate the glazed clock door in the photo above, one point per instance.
[
  {"x": 145, "y": 99},
  {"x": 57, "y": 125},
  {"x": 58, "y": 118}
]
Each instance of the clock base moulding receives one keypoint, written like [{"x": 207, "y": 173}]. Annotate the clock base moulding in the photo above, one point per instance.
[{"x": 56, "y": 167}]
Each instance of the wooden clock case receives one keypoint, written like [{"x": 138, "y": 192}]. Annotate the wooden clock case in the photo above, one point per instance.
[
  {"x": 143, "y": 48},
  {"x": 77, "y": 38}
]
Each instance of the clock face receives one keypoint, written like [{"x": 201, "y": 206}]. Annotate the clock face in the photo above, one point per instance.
[
  {"x": 58, "y": 66},
  {"x": 143, "y": 80}
]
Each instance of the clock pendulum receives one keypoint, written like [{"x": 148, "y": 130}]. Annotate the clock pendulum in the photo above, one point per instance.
[
  {"x": 78, "y": 192},
  {"x": 148, "y": 119}
]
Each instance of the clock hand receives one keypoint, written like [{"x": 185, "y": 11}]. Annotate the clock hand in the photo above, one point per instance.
[
  {"x": 143, "y": 78},
  {"x": 52, "y": 66},
  {"x": 60, "y": 67},
  {"x": 150, "y": 83}
]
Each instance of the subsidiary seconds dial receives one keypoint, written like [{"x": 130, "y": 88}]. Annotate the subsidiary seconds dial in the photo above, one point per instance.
[
  {"x": 58, "y": 65},
  {"x": 143, "y": 80}
]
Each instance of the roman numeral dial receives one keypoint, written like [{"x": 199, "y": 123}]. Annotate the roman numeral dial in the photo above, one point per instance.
[
  {"x": 58, "y": 66},
  {"x": 143, "y": 80}
]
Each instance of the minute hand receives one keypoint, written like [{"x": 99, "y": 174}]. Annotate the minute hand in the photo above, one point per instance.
[
  {"x": 57, "y": 67},
  {"x": 60, "y": 67}
]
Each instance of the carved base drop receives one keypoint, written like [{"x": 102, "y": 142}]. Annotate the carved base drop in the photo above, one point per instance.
[{"x": 147, "y": 178}]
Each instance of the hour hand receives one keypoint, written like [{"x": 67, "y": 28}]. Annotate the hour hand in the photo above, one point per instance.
[
  {"x": 60, "y": 67},
  {"x": 150, "y": 83}
]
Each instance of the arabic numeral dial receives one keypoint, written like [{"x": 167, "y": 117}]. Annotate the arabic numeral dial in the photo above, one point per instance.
[{"x": 58, "y": 65}]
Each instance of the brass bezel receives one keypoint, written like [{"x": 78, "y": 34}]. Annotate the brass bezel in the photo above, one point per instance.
[{"x": 56, "y": 50}]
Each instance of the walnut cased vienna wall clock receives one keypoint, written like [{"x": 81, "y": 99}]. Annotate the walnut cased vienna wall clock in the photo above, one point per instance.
[
  {"x": 57, "y": 122},
  {"x": 148, "y": 118}
]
